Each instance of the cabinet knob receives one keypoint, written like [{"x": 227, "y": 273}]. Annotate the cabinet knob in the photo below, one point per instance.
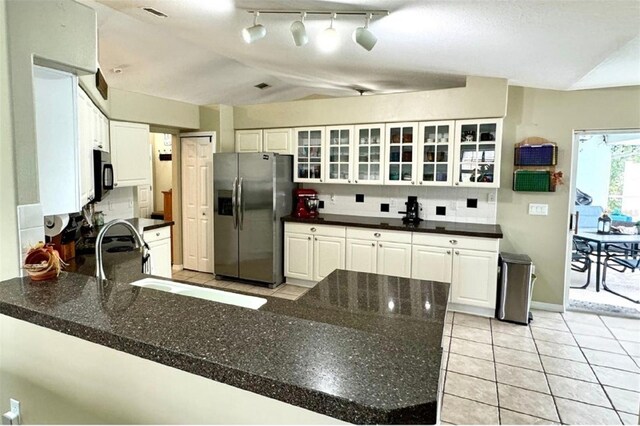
[
  {"x": 313, "y": 229},
  {"x": 373, "y": 244},
  {"x": 316, "y": 238},
  {"x": 115, "y": 184},
  {"x": 457, "y": 252},
  {"x": 457, "y": 183},
  {"x": 320, "y": 180},
  {"x": 99, "y": 146},
  {"x": 309, "y": 238},
  {"x": 157, "y": 234},
  {"x": 356, "y": 181},
  {"x": 420, "y": 182},
  {"x": 454, "y": 242},
  {"x": 377, "y": 235},
  {"x": 413, "y": 183},
  {"x": 204, "y": 214},
  {"x": 448, "y": 251},
  {"x": 380, "y": 245},
  {"x": 349, "y": 181}
]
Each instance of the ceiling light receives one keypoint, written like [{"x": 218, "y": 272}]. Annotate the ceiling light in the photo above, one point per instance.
[
  {"x": 363, "y": 36},
  {"x": 299, "y": 32},
  {"x": 254, "y": 33},
  {"x": 328, "y": 39}
]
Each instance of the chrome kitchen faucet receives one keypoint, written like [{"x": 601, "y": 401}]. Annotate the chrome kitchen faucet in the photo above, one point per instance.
[{"x": 139, "y": 243}]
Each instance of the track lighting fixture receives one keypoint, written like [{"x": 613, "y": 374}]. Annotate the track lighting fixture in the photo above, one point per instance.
[
  {"x": 363, "y": 36},
  {"x": 254, "y": 33},
  {"x": 299, "y": 32},
  {"x": 328, "y": 39}
]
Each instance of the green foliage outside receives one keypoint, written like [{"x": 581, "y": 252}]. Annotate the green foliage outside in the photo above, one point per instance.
[{"x": 619, "y": 155}]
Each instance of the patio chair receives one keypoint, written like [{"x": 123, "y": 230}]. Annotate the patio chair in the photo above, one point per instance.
[
  {"x": 580, "y": 259},
  {"x": 621, "y": 257}
]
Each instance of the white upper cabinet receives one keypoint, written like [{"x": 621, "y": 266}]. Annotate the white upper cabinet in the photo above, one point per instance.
[
  {"x": 401, "y": 154},
  {"x": 478, "y": 145},
  {"x": 249, "y": 140},
  {"x": 368, "y": 154},
  {"x": 435, "y": 153},
  {"x": 130, "y": 154},
  {"x": 308, "y": 164},
  {"x": 338, "y": 154},
  {"x": 85, "y": 146},
  {"x": 277, "y": 140}
]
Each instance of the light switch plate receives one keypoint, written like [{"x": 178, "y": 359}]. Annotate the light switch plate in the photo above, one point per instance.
[{"x": 538, "y": 209}]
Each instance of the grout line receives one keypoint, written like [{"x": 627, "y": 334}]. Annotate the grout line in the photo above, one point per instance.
[
  {"x": 546, "y": 378},
  {"x": 495, "y": 371},
  {"x": 493, "y": 406}
]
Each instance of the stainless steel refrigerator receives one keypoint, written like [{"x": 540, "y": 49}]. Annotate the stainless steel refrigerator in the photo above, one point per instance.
[{"x": 252, "y": 192}]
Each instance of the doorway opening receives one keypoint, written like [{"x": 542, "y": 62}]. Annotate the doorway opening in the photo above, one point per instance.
[
  {"x": 605, "y": 266},
  {"x": 154, "y": 201}
]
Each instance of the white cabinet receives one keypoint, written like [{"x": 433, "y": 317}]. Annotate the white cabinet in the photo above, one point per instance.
[
  {"x": 379, "y": 251},
  {"x": 249, "y": 140},
  {"x": 431, "y": 263},
  {"x": 308, "y": 165},
  {"x": 277, "y": 140},
  {"x": 474, "y": 277},
  {"x": 368, "y": 154},
  {"x": 62, "y": 163},
  {"x": 85, "y": 146},
  {"x": 338, "y": 154},
  {"x": 130, "y": 154},
  {"x": 313, "y": 252},
  {"x": 159, "y": 241},
  {"x": 401, "y": 154},
  {"x": 101, "y": 142},
  {"x": 477, "y": 157},
  {"x": 435, "y": 153}
]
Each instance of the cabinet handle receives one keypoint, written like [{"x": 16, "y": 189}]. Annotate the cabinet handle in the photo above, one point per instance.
[
  {"x": 320, "y": 180},
  {"x": 316, "y": 238},
  {"x": 204, "y": 214},
  {"x": 457, "y": 252},
  {"x": 99, "y": 146},
  {"x": 349, "y": 181},
  {"x": 373, "y": 244},
  {"x": 457, "y": 183},
  {"x": 380, "y": 245},
  {"x": 420, "y": 182},
  {"x": 454, "y": 242},
  {"x": 313, "y": 229},
  {"x": 413, "y": 183},
  {"x": 448, "y": 251},
  {"x": 377, "y": 235},
  {"x": 309, "y": 238},
  {"x": 356, "y": 181},
  {"x": 157, "y": 234},
  {"x": 115, "y": 184}
]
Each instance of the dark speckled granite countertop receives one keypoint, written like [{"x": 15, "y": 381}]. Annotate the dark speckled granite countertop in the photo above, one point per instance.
[
  {"x": 359, "y": 347},
  {"x": 426, "y": 226}
]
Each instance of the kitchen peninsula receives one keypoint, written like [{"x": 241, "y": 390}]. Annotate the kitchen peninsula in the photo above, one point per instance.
[{"x": 361, "y": 348}]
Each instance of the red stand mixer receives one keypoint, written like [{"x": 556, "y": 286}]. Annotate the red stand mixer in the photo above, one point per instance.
[{"x": 306, "y": 203}]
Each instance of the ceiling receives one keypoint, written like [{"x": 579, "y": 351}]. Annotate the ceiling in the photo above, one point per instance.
[{"x": 197, "y": 54}]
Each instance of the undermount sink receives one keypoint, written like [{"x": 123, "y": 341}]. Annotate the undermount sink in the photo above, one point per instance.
[{"x": 250, "y": 302}]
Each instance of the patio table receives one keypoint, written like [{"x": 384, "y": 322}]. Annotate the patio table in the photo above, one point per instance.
[{"x": 600, "y": 240}]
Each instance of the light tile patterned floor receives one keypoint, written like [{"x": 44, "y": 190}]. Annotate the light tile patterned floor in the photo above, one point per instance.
[
  {"x": 571, "y": 368},
  {"x": 284, "y": 291}
]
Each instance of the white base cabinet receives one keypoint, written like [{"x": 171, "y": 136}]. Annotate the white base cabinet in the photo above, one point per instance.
[
  {"x": 313, "y": 252},
  {"x": 469, "y": 263},
  {"x": 159, "y": 241}
]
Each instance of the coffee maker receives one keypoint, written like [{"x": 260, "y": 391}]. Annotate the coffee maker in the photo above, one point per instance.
[
  {"x": 412, "y": 213},
  {"x": 307, "y": 202}
]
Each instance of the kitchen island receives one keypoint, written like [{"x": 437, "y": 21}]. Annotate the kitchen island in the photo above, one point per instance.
[{"x": 361, "y": 348}]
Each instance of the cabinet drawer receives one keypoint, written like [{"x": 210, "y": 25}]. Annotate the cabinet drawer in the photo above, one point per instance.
[
  {"x": 157, "y": 234},
  {"x": 440, "y": 240},
  {"x": 379, "y": 235},
  {"x": 321, "y": 230}
]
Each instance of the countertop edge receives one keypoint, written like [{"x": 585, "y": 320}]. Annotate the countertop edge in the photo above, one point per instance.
[
  {"x": 158, "y": 225},
  {"x": 319, "y": 402},
  {"x": 324, "y": 221}
]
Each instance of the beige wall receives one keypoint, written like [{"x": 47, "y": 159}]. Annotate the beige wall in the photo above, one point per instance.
[
  {"x": 162, "y": 171},
  {"x": 553, "y": 115},
  {"x": 9, "y": 260},
  {"x": 481, "y": 98},
  {"x": 60, "y": 379},
  {"x": 219, "y": 119},
  {"x": 60, "y": 33}
]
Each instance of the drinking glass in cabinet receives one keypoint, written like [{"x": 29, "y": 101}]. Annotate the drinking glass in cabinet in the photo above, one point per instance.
[
  {"x": 333, "y": 171},
  {"x": 406, "y": 172},
  {"x": 344, "y": 171},
  {"x": 394, "y": 172},
  {"x": 487, "y": 153},
  {"x": 314, "y": 172},
  {"x": 430, "y": 134},
  {"x": 375, "y": 171},
  {"x": 344, "y": 153},
  {"x": 442, "y": 154},
  {"x": 427, "y": 172},
  {"x": 407, "y": 135},
  {"x": 407, "y": 154},
  {"x": 375, "y": 154},
  {"x": 375, "y": 136},
  {"x": 469, "y": 133},
  {"x": 303, "y": 171},
  {"x": 394, "y": 154},
  {"x": 303, "y": 139},
  {"x": 344, "y": 139},
  {"x": 363, "y": 171},
  {"x": 487, "y": 132},
  {"x": 441, "y": 173},
  {"x": 429, "y": 154},
  {"x": 443, "y": 134},
  {"x": 314, "y": 152},
  {"x": 394, "y": 135},
  {"x": 364, "y": 154},
  {"x": 315, "y": 138},
  {"x": 333, "y": 154}
]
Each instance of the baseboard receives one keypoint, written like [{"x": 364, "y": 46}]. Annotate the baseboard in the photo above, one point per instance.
[
  {"x": 177, "y": 267},
  {"x": 473, "y": 310},
  {"x": 551, "y": 307},
  {"x": 300, "y": 283}
]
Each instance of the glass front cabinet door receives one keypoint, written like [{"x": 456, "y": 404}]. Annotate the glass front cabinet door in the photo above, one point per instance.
[
  {"x": 401, "y": 154},
  {"x": 478, "y": 153},
  {"x": 338, "y": 145},
  {"x": 308, "y": 154},
  {"x": 368, "y": 151},
  {"x": 435, "y": 153}
]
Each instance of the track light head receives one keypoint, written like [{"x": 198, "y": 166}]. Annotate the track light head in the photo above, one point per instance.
[
  {"x": 363, "y": 36},
  {"x": 299, "y": 32},
  {"x": 328, "y": 39},
  {"x": 255, "y": 32}
]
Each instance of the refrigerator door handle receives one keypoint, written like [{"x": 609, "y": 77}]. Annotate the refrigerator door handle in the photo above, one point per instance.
[
  {"x": 240, "y": 204},
  {"x": 503, "y": 289},
  {"x": 234, "y": 201}
]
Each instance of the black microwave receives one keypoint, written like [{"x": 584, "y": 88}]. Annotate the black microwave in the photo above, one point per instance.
[{"x": 102, "y": 174}]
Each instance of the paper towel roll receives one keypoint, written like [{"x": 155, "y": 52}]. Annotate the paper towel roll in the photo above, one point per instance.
[{"x": 53, "y": 225}]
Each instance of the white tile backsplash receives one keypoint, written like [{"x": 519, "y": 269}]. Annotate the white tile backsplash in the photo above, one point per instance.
[
  {"x": 118, "y": 204},
  {"x": 453, "y": 199}
]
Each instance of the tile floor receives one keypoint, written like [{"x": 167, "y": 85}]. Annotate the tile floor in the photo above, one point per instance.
[
  {"x": 572, "y": 368},
  {"x": 284, "y": 291}
]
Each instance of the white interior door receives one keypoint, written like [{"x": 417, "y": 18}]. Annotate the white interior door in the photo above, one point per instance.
[
  {"x": 145, "y": 201},
  {"x": 197, "y": 197}
]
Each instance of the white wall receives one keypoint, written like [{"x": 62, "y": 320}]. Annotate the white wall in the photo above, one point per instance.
[{"x": 594, "y": 170}]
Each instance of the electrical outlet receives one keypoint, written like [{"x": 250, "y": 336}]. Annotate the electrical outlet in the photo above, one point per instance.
[
  {"x": 333, "y": 198},
  {"x": 538, "y": 209}
]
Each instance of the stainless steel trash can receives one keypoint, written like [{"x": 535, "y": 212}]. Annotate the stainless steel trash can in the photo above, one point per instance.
[{"x": 515, "y": 286}]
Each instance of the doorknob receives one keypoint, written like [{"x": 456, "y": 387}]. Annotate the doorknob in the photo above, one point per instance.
[{"x": 204, "y": 214}]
